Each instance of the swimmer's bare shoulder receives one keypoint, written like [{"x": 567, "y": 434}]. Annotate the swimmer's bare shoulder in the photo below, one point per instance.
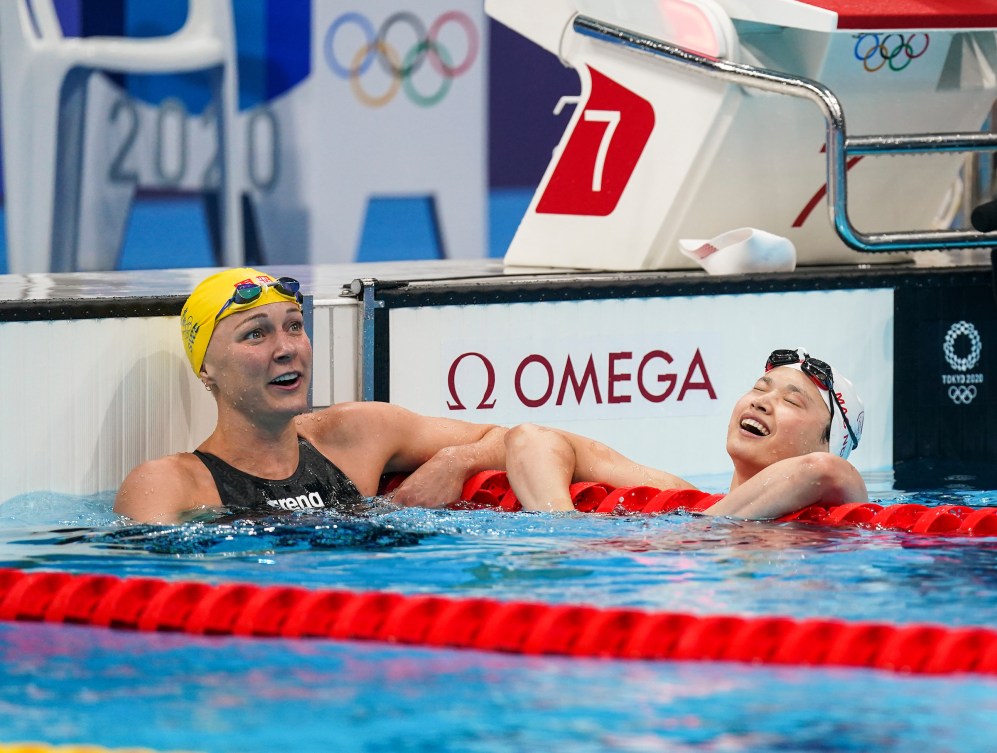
[
  {"x": 360, "y": 438},
  {"x": 162, "y": 490},
  {"x": 348, "y": 425}
]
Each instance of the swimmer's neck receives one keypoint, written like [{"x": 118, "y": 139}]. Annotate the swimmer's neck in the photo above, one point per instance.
[
  {"x": 268, "y": 451},
  {"x": 743, "y": 473},
  {"x": 735, "y": 482}
]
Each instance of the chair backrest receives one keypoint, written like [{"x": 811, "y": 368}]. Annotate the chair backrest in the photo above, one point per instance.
[
  {"x": 201, "y": 13},
  {"x": 38, "y": 21},
  {"x": 44, "y": 21},
  {"x": 27, "y": 23},
  {"x": 208, "y": 18}
]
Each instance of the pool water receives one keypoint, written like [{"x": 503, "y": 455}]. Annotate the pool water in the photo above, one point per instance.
[{"x": 71, "y": 684}]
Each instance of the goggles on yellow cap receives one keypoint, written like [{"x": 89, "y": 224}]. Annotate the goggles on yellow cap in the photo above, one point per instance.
[
  {"x": 248, "y": 291},
  {"x": 224, "y": 294}
]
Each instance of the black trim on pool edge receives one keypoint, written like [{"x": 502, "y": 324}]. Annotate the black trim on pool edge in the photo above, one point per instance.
[
  {"x": 90, "y": 308},
  {"x": 660, "y": 284}
]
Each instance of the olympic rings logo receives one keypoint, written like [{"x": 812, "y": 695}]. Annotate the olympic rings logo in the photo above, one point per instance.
[
  {"x": 975, "y": 346},
  {"x": 962, "y": 394},
  {"x": 400, "y": 68},
  {"x": 895, "y": 50}
]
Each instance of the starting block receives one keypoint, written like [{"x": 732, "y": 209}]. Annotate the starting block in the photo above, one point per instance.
[{"x": 699, "y": 116}]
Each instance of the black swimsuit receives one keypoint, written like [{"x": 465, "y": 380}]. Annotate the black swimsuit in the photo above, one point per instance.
[{"x": 316, "y": 484}]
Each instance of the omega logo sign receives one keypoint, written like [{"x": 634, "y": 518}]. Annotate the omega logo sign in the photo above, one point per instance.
[
  {"x": 962, "y": 348},
  {"x": 565, "y": 383}
]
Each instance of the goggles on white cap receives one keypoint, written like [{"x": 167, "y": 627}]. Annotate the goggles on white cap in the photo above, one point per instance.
[{"x": 820, "y": 373}]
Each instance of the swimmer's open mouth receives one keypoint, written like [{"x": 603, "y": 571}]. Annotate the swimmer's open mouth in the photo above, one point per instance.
[
  {"x": 287, "y": 380},
  {"x": 752, "y": 426}
]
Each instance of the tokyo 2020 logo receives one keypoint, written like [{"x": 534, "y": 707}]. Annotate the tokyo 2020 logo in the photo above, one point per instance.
[
  {"x": 967, "y": 330},
  {"x": 962, "y": 387},
  {"x": 354, "y": 63}
]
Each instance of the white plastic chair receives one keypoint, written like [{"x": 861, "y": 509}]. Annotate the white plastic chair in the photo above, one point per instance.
[{"x": 38, "y": 92}]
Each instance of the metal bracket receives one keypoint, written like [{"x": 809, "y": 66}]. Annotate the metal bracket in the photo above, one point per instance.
[
  {"x": 839, "y": 146},
  {"x": 365, "y": 290}
]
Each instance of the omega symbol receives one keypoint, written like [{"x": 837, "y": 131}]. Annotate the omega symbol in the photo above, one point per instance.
[{"x": 484, "y": 404}]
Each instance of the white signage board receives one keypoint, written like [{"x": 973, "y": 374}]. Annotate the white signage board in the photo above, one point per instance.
[
  {"x": 655, "y": 378},
  {"x": 394, "y": 106}
]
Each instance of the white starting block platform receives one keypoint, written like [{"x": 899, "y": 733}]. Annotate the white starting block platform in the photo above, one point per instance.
[
  {"x": 695, "y": 117},
  {"x": 648, "y": 362}
]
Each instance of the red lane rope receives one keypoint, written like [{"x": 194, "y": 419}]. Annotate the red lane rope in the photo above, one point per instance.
[
  {"x": 485, "y": 624},
  {"x": 490, "y": 489}
]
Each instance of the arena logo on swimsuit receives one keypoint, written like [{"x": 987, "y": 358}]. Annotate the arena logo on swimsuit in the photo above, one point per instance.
[
  {"x": 301, "y": 502},
  {"x": 616, "y": 377}
]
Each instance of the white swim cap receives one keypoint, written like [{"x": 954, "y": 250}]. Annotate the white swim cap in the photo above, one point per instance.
[
  {"x": 847, "y": 409},
  {"x": 746, "y": 249}
]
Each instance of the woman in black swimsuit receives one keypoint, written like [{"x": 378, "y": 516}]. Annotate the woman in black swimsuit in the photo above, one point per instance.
[{"x": 244, "y": 335}]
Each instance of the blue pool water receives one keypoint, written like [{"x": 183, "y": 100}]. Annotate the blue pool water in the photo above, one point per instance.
[{"x": 65, "y": 684}]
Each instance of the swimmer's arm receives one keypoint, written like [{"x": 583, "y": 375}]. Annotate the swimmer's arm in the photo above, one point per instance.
[
  {"x": 444, "y": 454},
  {"x": 542, "y": 463},
  {"x": 439, "y": 454},
  {"x": 792, "y": 484},
  {"x": 158, "y": 491}
]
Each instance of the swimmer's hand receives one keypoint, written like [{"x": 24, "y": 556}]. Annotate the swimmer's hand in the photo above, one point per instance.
[
  {"x": 440, "y": 480},
  {"x": 436, "y": 483},
  {"x": 436, "y": 478}
]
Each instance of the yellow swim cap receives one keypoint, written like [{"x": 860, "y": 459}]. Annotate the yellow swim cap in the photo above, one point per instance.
[{"x": 204, "y": 308}]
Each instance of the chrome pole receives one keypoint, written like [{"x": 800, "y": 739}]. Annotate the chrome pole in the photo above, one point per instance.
[{"x": 839, "y": 147}]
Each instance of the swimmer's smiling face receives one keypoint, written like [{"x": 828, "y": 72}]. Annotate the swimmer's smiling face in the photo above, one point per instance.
[
  {"x": 259, "y": 361},
  {"x": 783, "y": 416}
]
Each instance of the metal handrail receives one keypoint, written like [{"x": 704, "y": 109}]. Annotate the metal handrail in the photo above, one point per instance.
[{"x": 839, "y": 146}]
